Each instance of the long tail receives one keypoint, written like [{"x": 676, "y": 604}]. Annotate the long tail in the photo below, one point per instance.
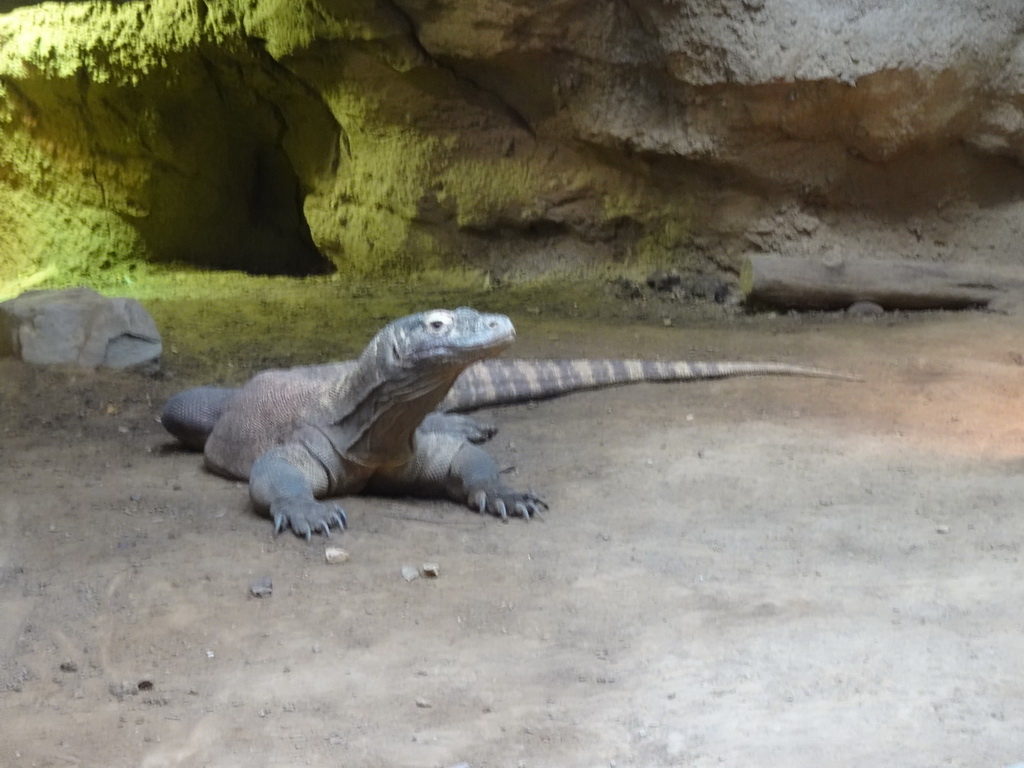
[
  {"x": 191, "y": 415},
  {"x": 503, "y": 382}
]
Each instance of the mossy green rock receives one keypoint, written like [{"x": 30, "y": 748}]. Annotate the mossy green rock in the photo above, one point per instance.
[
  {"x": 377, "y": 138},
  {"x": 273, "y": 138}
]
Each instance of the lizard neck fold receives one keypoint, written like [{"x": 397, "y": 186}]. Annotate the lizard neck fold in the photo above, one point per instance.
[
  {"x": 383, "y": 415},
  {"x": 403, "y": 375}
]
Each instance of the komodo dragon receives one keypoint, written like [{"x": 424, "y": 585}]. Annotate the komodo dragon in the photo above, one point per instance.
[{"x": 389, "y": 421}]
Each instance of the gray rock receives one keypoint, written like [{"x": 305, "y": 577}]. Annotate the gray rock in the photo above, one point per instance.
[
  {"x": 865, "y": 309},
  {"x": 79, "y": 327},
  {"x": 262, "y": 587}
]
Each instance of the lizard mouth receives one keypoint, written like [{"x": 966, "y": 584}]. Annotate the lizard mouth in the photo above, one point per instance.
[
  {"x": 496, "y": 332},
  {"x": 464, "y": 353},
  {"x": 491, "y": 346}
]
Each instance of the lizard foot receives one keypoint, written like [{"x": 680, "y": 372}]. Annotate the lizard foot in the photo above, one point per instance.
[
  {"x": 308, "y": 517},
  {"x": 501, "y": 501}
]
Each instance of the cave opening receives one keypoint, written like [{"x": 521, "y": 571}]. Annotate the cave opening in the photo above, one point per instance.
[
  {"x": 242, "y": 213},
  {"x": 229, "y": 169}
]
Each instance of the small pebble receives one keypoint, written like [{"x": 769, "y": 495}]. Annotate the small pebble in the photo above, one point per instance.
[
  {"x": 942, "y": 529},
  {"x": 262, "y": 587},
  {"x": 865, "y": 309},
  {"x": 409, "y": 572},
  {"x": 424, "y": 703},
  {"x": 433, "y": 570},
  {"x": 335, "y": 555}
]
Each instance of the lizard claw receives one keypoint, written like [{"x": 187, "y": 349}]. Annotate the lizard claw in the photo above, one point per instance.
[
  {"x": 479, "y": 502},
  {"x": 306, "y": 517},
  {"x": 503, "y": 502}
]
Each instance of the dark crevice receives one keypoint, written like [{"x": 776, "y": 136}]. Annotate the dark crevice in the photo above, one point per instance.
[
  {"x": 537, "y": 229},
  {"x": 230, "y": 196}
]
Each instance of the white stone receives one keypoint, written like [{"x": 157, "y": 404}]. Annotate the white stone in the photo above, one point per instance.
[{"x": 78, "y": 327}]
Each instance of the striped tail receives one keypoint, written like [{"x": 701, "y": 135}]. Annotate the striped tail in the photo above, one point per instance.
[{"x": 502, "y": 382}]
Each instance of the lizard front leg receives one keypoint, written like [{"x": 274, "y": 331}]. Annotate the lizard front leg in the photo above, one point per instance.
[
  {"x": 446, "y": 465},
  {"x": 286, "y": 482},
  {"x": 474, "y": 479}
]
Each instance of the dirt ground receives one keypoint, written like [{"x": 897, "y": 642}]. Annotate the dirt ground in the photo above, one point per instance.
[{"x": 767, "y": 572}]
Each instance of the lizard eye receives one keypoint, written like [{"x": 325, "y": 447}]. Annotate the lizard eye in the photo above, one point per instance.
[{"x": 438, "y": 322}]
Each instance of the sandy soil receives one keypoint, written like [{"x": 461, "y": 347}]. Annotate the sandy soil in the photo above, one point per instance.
[{"x": 769, "y": 572}]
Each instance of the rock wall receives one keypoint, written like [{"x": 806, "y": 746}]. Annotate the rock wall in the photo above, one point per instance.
[{"x": 375, "y": 137}]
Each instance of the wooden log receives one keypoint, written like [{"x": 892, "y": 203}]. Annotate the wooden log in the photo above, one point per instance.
[{"x": 835, "y": 283}]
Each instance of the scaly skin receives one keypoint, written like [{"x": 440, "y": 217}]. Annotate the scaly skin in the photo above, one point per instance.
[
  {"x": 308, "y": 434},
  {"x": 388, "y": 422}
]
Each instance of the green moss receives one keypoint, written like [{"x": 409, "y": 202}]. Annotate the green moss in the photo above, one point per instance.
[
  {"x": 284, "y": 321},
  {"x": 289, "y": 28},
  {"x": 482, "y": 192},
  {"x": 115, "y": 43},
  {"x": 140, "y": 130},
  {"x": 663, "y": 219},
  {"x": 163, "y": 131},
  {"x": 50, "y": 239},
  {"x": 363, "y": 223},
  {"x": 665, "y": 236}
]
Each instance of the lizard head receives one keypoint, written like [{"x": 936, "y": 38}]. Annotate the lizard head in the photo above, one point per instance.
[
  {"x": 407, "y": 370},
  {"x": 449, "y": 339}
]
